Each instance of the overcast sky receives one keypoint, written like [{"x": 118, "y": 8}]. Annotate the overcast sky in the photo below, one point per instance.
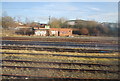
[{"x": 40, "y": 11}]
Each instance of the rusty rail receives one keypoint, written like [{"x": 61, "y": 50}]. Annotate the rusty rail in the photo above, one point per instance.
[
  {"x": 46, "y": 77},
  {"x": 80, "y": 56},
  {"x": 59, "y": 63},
  {"x": 57, "y": 49},
  {"x": 64, "y": 69},
  {"x": 78, "y": 40}
]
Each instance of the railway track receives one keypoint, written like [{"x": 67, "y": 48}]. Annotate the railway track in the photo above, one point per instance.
[
  {"x": 13, "y": 69},
  {"x": 62, "y": 44},
  {"x": 80, "y": 56},
  {"x": 57, "y": 49},
  {"x": 59, "y": 63},
  {"x": 54, "y": 69},
  {"x": 63, "y": 69},
  {"x": 78, "y": 40},
  {"x": 47, "y": 78}
]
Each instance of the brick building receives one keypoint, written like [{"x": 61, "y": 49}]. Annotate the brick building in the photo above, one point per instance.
[
  {"x": 45, "y": 30},
  {"x": 60, "y": 32},
  {"x": 41, "y": 31}
]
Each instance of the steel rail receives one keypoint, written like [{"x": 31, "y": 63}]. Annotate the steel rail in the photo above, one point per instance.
[
  {"x": 60, "y": 63},
  {"x": 80, "y": 56},
  {"x": 60, "y": 39},
  {"x": 65, "y": 69},
  {"x": 58, "y": 49},
  {"x": 46, "y": 77}
]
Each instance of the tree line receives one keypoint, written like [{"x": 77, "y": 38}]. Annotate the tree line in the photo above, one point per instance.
[
  {"x": 85, "y": 27},
  {"x": 80, "y": 27}
]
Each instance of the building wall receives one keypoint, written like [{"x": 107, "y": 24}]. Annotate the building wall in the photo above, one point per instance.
[
  {"x": 65, "y": 32},
  {"x": 60, "y": 32},
  {"x": 53, "y": 32},
  {"x": 41, "y": 32}
]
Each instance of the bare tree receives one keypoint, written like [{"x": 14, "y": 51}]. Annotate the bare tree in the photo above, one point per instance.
[
  {"x": 57, "y": 22},
  {"x": 33, "y": 24},
  {"x": 18, "y": 18},
  {"x": 8, "y": 21},
  {"x": 84, "y": 31}
]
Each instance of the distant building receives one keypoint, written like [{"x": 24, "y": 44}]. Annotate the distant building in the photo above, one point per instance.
[
  {"x": 24, "y": 30},
  {"x": 46, "y": 31},
  {"x": 60, "y": 32},
  {"x": 42, "y": 30},
  {"x": 71, "y": 22},
  {"x": 19, "y": 23},
  {"x": 111, "y": 25},
  {"x": 74, "y": 22},
  {"x": 22, "y": 27}
]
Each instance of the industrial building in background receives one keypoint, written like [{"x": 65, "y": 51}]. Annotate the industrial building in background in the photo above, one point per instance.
[{"x": 45, "y": 30}]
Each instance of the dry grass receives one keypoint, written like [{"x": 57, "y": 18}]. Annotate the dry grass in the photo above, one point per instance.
[
  {"x": 6, "y": 32},
  {"x": 61, "y": 53},
  {"x": 58, "y": 58},
  {"x": 51, "y": 58}
]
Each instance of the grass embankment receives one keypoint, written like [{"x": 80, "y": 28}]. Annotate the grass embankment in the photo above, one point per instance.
[
  {"x": 55, "y": 73},
  {"x": 49, "y": 56},
  {"x": 62, "y": 53}
]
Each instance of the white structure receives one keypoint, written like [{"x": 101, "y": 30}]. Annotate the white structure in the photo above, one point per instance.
[
  {"x": 71, "y": 23},
  {"x": 54, "y": 32},
  {"x": 40, "y": 33}
]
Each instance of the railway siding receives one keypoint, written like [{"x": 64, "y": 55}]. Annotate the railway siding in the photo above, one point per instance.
[
  {"x": 58, "y": 49},
  {"x": 58, "y": 65}
]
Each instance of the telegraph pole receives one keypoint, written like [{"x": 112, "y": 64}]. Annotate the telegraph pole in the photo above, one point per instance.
[{"x": 49, "y": 20}]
